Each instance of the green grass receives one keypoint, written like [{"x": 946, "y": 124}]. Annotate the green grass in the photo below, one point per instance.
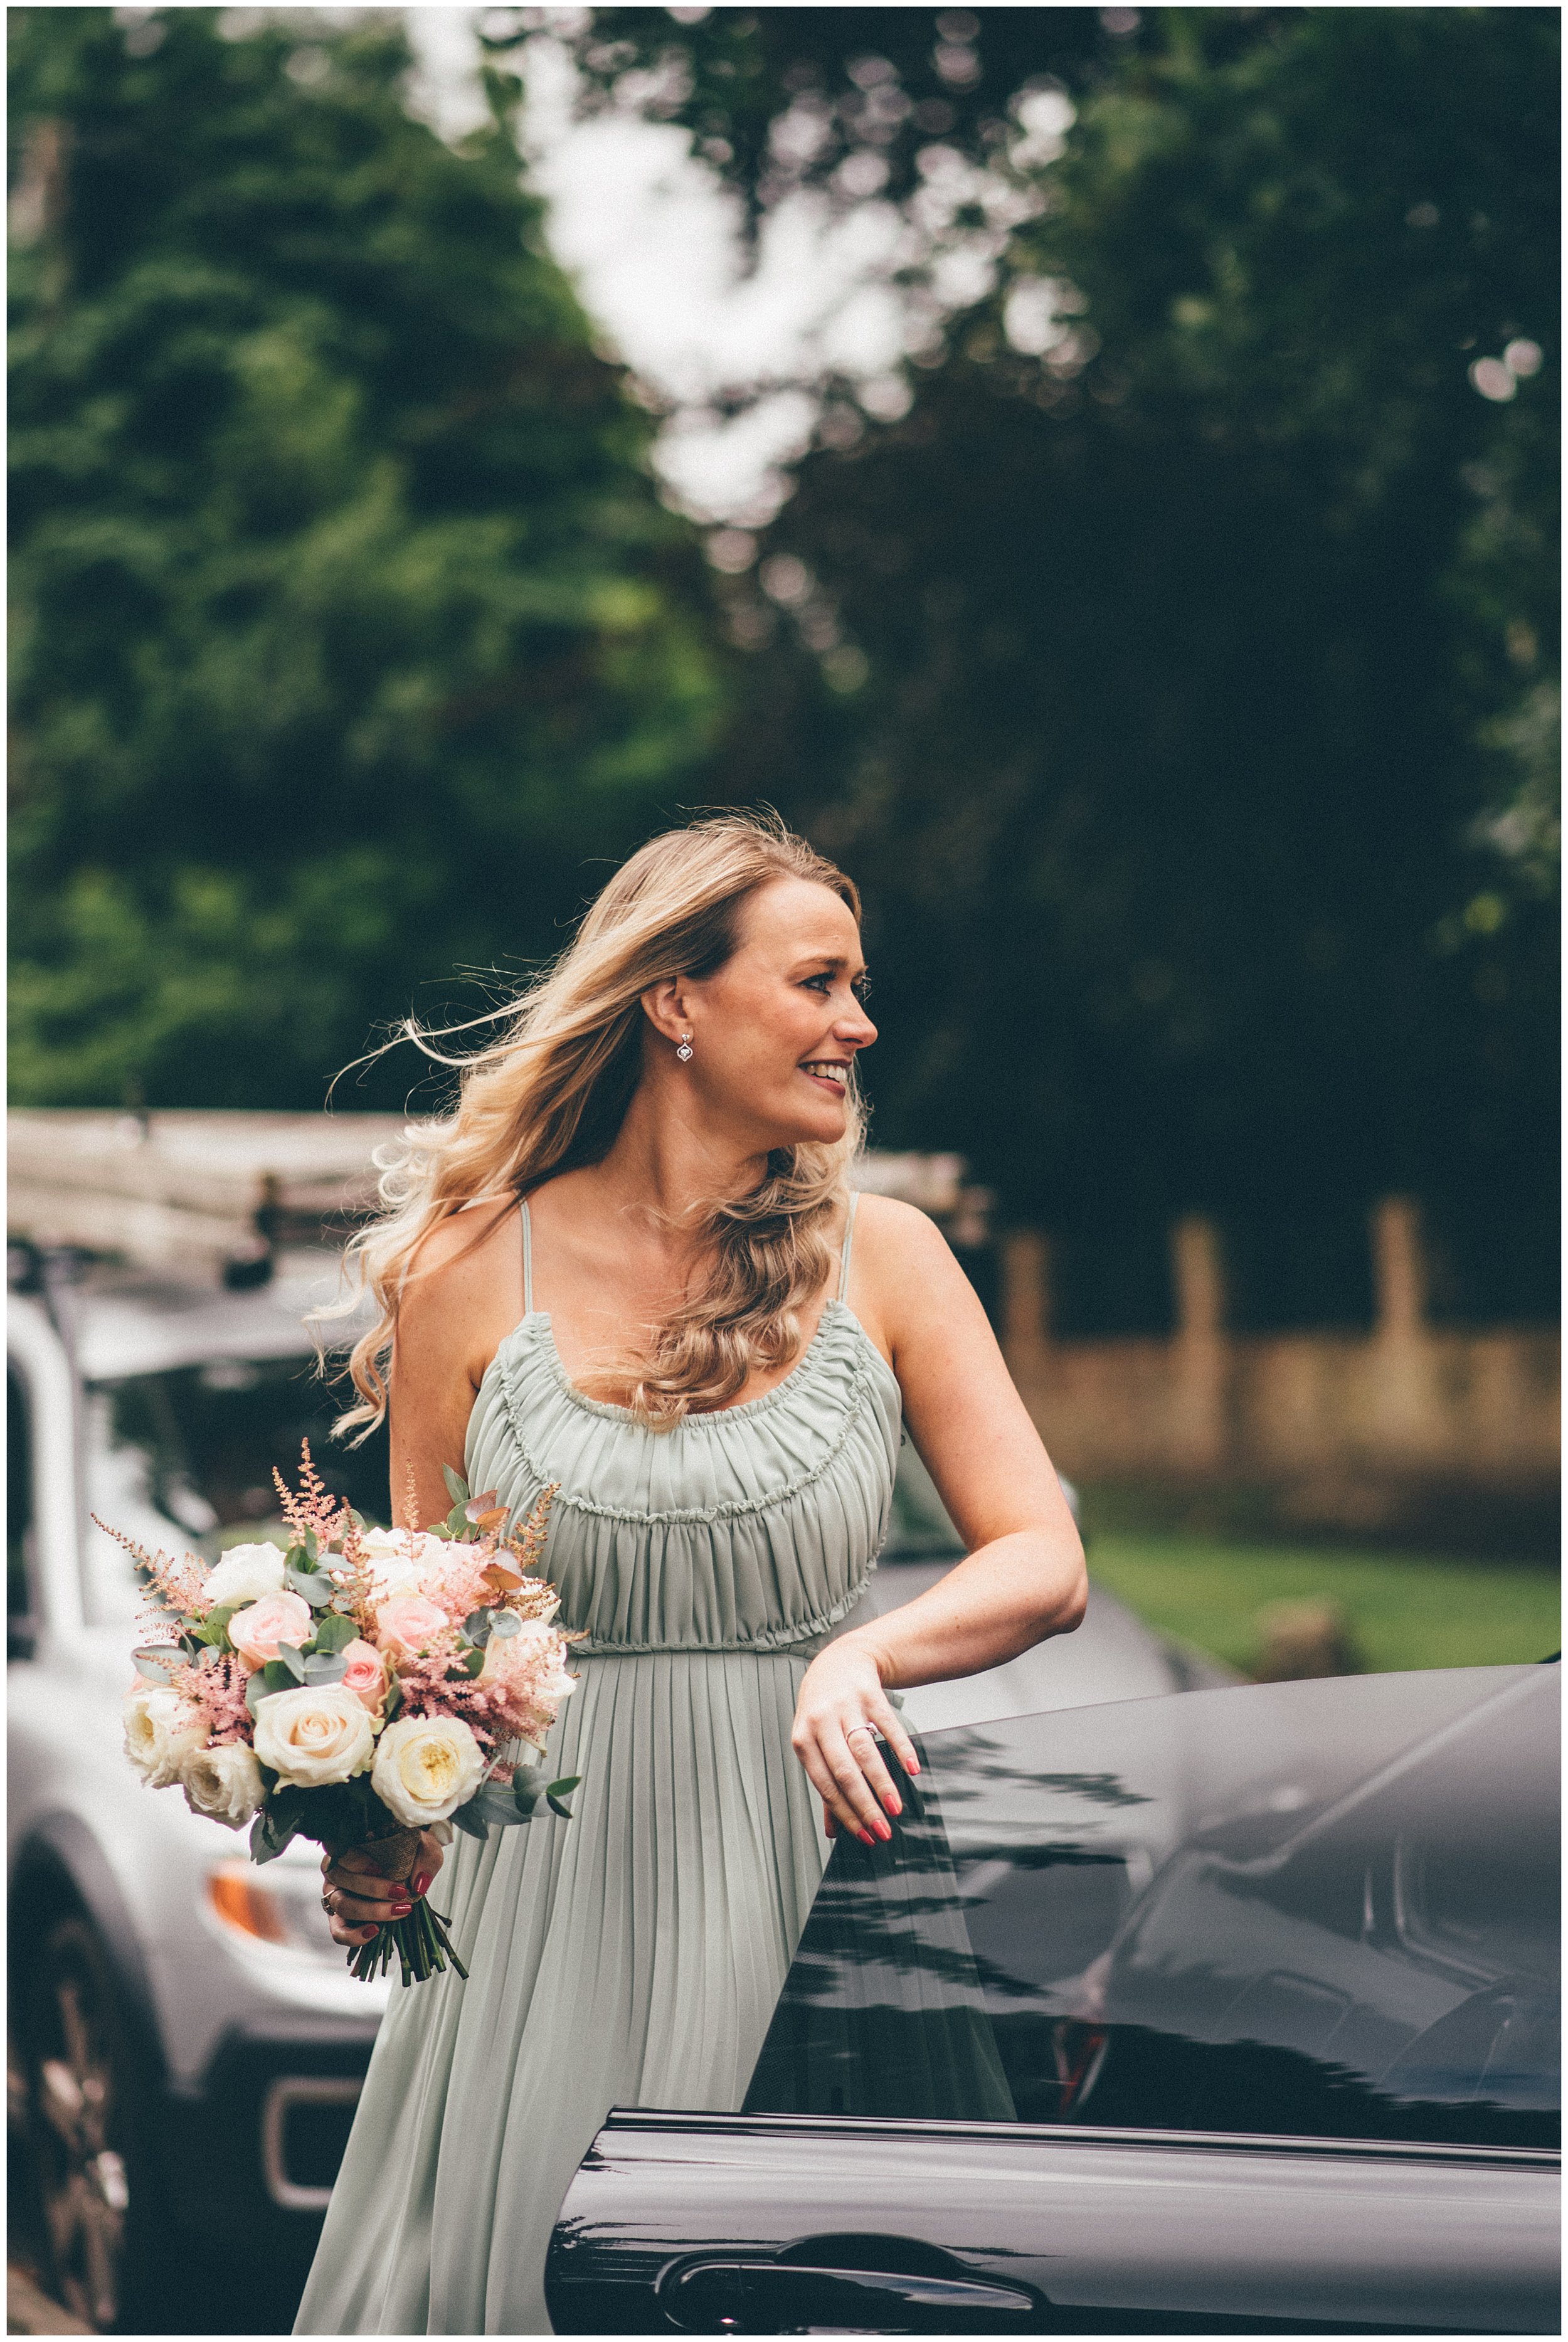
[{"x": 1402, "y": 1611}]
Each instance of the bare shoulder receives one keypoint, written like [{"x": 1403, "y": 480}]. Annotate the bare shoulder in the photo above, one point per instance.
[
  {"x": 891, "y": 1237},
  {"x": 464, "y": 1287},
  {"x": 903, "y": 1274}
]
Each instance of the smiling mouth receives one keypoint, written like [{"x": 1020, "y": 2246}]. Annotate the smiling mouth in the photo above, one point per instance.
[{"x": 829, "y": 1070}]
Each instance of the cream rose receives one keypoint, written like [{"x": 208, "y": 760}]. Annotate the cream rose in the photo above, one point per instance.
[
  {"x": 314, "y": 1734},
  {"x": 399, "y": 1561},
  {"x": 363, "y": 1673},
  {"x": 425, "y": 1767},
  {"x": 161, "y": 1731},
  {"x": 256, "y": 1632},
  {"x": 246, "y": 1573},
  {"x": 224, "y": 1783},
  {"x": 410, "y": 1623}
]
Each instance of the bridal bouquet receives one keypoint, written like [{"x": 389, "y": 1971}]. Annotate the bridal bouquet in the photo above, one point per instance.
[{"x": 357, "y": 1686}]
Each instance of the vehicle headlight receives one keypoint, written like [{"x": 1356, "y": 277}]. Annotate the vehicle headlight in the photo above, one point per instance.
[{"x": 277, "y": 1908}]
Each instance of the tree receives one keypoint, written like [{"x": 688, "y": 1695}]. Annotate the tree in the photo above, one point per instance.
[
  {"x": 348, "y": 621},
  {"x": 1194, "y": 776}
]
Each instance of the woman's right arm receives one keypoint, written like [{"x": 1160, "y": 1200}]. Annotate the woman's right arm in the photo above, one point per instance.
[{"x": 454, "y": 1313}]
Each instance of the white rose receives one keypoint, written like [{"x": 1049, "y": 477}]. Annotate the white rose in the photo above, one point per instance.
[
  {"x": 400, "y": 1563},
  {"x": 425, "y": 1767},
  {"x": 161, "y": 1731},
  {"x": 316, "y": 1734},
  {"x": 224, "y": 1782},
  {"x": 246, "y": 1573}
]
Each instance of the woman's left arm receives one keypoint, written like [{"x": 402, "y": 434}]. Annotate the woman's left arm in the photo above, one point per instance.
[{"x": 1024, "y": 1579}]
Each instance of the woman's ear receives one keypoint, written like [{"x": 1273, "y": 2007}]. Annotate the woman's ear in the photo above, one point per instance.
[{"x": 665, "y": 1007}]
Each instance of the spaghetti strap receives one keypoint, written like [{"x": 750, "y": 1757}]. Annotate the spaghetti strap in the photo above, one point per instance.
[
  {"x": 848, "y": 1243},
  {"x": 527, "y": 1259}
]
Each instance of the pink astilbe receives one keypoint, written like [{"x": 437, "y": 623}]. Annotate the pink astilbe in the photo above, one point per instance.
[
  {"x": 218, "y": 1687},
  {"x": 178, "y": 1585}
]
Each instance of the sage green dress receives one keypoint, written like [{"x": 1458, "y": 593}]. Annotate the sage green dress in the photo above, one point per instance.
[{"x": 633, "y": 1955}]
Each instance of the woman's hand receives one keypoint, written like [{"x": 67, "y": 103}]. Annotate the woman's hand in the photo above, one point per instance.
[
  {"x": 359, "y": 1900},
  {"x": 839, "y": 1717}
]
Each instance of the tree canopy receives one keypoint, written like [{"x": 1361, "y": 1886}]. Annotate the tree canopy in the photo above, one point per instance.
[{"x": 347, "y": 620}]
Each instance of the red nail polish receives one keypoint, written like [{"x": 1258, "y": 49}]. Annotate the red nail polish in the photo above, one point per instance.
[
  {"x": 420, "y": 1884},
  {"x": 401, "y": 1910},
  {"x": 866, "y": 1838},
  {"x": 891, "y": 1802}
]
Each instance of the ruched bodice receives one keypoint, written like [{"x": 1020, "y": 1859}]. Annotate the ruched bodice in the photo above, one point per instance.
[
  {"x": 752, "y": 1527},
  {"x": 633, "y": 1955}
]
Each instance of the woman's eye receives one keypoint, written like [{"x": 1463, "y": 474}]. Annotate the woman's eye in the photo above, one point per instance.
[
  {"x": 861, "y": 988},
  {"x": 823, "y": 983}
]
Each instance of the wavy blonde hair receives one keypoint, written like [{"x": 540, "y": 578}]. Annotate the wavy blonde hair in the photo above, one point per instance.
[{"x": 551, "y": 1093}]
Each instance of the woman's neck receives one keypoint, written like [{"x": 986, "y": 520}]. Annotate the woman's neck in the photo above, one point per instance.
[{"x": 667, "y": 1168}]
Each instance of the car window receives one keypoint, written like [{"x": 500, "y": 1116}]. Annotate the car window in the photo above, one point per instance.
[
  {"x": 184, "y": 1459},
  {"x": 18, "y": 1498},
  {"x": 1320, "y": 1908}
]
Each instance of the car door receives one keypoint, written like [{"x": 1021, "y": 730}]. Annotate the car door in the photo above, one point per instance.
[{"x": 1229, "y": 2011}]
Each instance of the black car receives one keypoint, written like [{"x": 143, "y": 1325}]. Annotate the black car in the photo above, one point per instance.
[{"x": 1230, "y": 2011}]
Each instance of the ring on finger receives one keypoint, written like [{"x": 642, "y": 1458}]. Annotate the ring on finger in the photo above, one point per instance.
[{"x": 860, "y": 1727}]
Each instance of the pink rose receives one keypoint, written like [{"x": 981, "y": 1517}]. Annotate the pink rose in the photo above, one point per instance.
[
  {"x": 256, "y": 1631},
  {"x": 410, "y": 1623},
  {"x": 364, "y": 1674}
]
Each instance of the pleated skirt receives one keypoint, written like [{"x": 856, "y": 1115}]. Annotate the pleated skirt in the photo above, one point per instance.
[{"x": 630, "y": 1957}]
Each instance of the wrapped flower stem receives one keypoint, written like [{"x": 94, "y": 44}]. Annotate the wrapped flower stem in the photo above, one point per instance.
[{"x": 420, "y": 1941}]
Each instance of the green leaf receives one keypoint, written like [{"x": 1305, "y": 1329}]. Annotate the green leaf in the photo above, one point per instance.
[
  {"x": 504, "y": 1623},
  {"x": 291, "y": 1657},
  {"x": 477, "y": 1626},
  {"x": 527, "y": 1788},
  {"x": 394, "y": 1700},
  {"x": 311, "y": 1547},
  {"x": 470, "y": 1823},
  {"x": 456, "y": 1520},
  {"x": 473, "y": 1664},
  {"x": 344, "y": 1605},
  {"x": 335, "y": 1632},
  {"x": 313, "y": 1585},
  {"x": 325, "y": 1667},
  {"x": 557, "y": 1802},
  {"x": 456, "y": 1485},
  {"x": 277, "y": 1675},
  {"x": 255, "y": 1690},
  {"x": 159, "y": 1661}
]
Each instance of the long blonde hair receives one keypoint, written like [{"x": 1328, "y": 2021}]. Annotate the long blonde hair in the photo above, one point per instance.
[{"x": 551, "y": 1093}]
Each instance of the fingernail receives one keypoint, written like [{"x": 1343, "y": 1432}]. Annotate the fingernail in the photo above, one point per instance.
[
  {"x": 884, "y": 1829},
  {"x": 420, "y": 1882},
  {"x": 866, "y": 1838},
  {"x": 891, "y": 1802},
  {"x": 401, "y": 1910}
]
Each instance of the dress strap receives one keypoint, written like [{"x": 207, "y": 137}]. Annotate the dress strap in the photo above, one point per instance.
[
  {"x": 848, "y": 1243},
  {"x": 527, "y": 1259}
]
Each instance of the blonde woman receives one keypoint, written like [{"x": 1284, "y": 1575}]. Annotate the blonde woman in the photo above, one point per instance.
[{"x": 633, "y": 1265}]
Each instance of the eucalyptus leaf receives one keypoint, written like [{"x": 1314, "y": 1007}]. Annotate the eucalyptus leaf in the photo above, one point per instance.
[
  {"x": 473, "y": 1664},
  {"x": 344, "y": 1605},
  {"x": 311, "y": 1547},
  {"x": 497, "y": 1806},
  {"x": 325, "y": 1668},
  {"x": 158, "y": 1661},
  {"x": 456, "y": 1485},
  {"x": 313, "y": 1585},
  {"x": 504, "y": 1623},
  {"x": 394, "y": 1700},
  {"x": 255, "y": 1691},
  {"x": 528, "y": 1786},
  {"x": 277, "y": 1675},
  {"x": 456, "y": 1520},
  {"x": 477, "y": 1626},
  {"x": 335, "y": 1632},
  {"x": 216, "y": 1623},
  {"x": 291, "y": 1657},
  {"x": 557, "y": 1795},
  {"x": 470, "y": 1823},
  {"x": 271, "y": 1846}
]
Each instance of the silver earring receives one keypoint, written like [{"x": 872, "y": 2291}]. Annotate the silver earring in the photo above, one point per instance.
[{"x": 685, "y": 1051}]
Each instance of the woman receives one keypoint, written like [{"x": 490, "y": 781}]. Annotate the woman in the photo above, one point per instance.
[{"x": 632, "y": 1267}]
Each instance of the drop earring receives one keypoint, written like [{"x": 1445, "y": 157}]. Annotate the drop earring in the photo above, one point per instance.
[{"x": 685, "y": 1051}]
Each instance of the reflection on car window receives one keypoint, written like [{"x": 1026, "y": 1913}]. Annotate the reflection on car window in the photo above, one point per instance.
[
  {"x": 1326, "y": 1909},
  {"x": 186, "y": 1457}
]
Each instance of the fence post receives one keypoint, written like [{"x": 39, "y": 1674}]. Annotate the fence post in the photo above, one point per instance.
[{"x": 1200, "y": 1348}]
